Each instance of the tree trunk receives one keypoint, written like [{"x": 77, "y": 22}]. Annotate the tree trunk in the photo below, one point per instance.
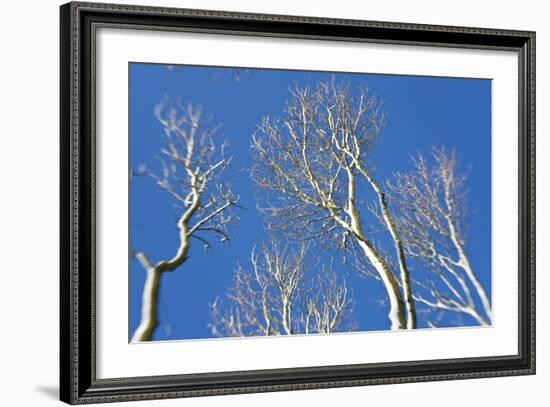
[
  {"x": 397, "y": 307},
  {"x": 149, "y": 301},
  {"x": 404, "y": 270},
  {"x": 149, "y": 306}
]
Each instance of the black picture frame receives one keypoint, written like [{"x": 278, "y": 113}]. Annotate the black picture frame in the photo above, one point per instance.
[{"x": 78, "y": 382}]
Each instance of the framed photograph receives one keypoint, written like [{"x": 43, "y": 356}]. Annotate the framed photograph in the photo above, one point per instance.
[{"x": 255, "y": 203}]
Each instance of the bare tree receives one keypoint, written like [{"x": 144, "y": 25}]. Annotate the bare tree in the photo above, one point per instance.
[
  {"x": 274, "y": 298},
  {"x": 327, "y": 304},
  {"x": 191, "y": 162},
  {"x": 430, "y": 205},
  {"x": 314, "y": 160}
]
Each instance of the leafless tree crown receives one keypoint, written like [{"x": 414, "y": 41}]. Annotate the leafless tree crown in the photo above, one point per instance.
[
  {"x": 305, "y": 155},
  {"x": 192, "y": 161},
  {"x": 430, "y": 203},
  {"x": 274, "y": 297}
]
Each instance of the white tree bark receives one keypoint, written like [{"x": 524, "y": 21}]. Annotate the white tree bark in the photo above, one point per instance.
[
  {"x": 149, "y": 301},
  {"x": 149, "y": 306},
  {"x": 396, "y": 312},
  {"x": 401, "y": 258}
]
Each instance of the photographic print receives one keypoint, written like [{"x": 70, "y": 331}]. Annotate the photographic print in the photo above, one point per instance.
[
  {"x": 270, "y": 202},
  {"x": 255, "y": 202}
]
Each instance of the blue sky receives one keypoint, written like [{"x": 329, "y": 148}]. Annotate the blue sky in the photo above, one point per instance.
[{"x": 422, "y": 112}]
